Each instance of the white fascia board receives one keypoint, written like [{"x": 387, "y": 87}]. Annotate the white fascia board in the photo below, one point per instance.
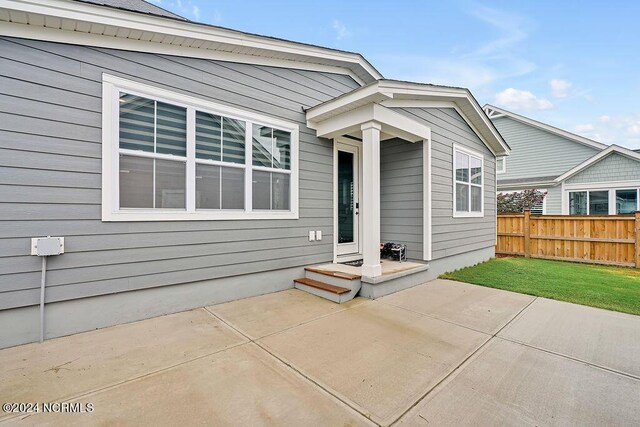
[
  {"x": 350, "y": 100},
  {"x": 602, "y": 185},
  {"x": 522, "y": 185},
  {"x": 601, "y": 155},
  {"x": 551, "y": 129},
  {"x": 96, "y": 14},
  {"x": 392, "y": 123},
  {"x": 417, "y": 103},
  {"x": 406, "y": 94},
  {"x": 85, "y": 39}
]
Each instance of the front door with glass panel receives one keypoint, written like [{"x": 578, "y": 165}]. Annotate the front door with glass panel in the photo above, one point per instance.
[{"x": 348, "y": 203}]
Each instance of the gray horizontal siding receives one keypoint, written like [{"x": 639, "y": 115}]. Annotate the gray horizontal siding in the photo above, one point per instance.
[
  {"x": 553, "y": 200},
  {"x": 538, "y": 153},
  {"x": 50, "y": 174},
  {"x": 450, "y": 235},
  {"x": 401, "y": 169},
  {"x": 613, "y": 167}
]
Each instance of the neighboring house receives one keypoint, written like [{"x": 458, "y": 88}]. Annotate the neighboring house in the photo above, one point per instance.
[
  {"x": 580, "y": 176},
  {"x": 187, "y": 165}
]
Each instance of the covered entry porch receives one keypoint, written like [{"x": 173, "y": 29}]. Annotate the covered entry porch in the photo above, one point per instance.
[{"x": 361, "y": 128}]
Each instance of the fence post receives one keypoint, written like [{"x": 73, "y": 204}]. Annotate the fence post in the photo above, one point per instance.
[
  {"x": 636, "y": 230},
  {"x": 527, "y": 234}
]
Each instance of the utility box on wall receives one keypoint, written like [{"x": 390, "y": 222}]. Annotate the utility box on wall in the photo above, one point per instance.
[{"x": 47, "y": 246}]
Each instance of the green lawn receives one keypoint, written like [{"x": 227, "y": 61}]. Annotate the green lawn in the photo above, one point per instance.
[{"x": 613, "y": 288}]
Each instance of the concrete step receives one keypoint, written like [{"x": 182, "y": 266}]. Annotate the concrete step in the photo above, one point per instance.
[
  {"x": 342, "y": 281},
  {"x": 333, "y": 293}
]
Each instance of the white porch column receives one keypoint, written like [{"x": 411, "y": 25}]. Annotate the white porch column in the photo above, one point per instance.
[{"x": 370, "y": 210}]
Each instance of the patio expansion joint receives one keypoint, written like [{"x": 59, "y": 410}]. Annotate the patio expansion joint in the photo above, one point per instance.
[
  {"x": 73, "y": 397},
  {"x": 464, "y": 362},
  {"x": 290, "y": 366},
  {"x": 247, "y": 336},
  {"x": 566, "y": 356},
  {"x": 575, "y": 359}
]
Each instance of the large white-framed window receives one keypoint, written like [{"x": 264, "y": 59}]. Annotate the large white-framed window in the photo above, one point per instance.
[
  {"x": 501, "y": 164},
  {"x": 603, "y": 201},
  {"x": 468, "y": 183},
  {"x": 167, "y": 156}
]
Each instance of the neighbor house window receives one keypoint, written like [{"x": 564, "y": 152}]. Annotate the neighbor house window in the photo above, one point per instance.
[
  {"x": 589, "y": 202},
  {"x": 168, "y": 156},
  {"x": 501, "y": 165},
  {"x": 626, "y": 201},
  {"x": 468, "y": 182}
]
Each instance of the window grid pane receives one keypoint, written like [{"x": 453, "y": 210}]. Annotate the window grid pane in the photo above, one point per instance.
[
  {"x": 262, "y": 146},
  {"x": 261, "y": 190},
  {"x": 170, "y": 180},
  {"x": 208, "y": 187},
  {"x": 137, "y": 123},
  {"x": 171, "y": 129},
  {"x": 208, "y": 136},
  {"x": 475, "y": 166},
  {"x": 462, "y": 167},
  {"x": 578, "y": 203},
  {"x": 462, "y": 197},
  {"x": 136, "y": 182},
  {"x": 626, "y": 201},
  {"x": 232, "y": 188},
  {"x": 598, "y": 203},
  {"x": 233, "y": 140},
  {"x": 476, "y": 199}
]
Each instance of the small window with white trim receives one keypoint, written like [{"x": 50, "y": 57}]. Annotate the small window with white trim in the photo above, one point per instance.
[
  {"x": 501, "y": 164},
  {"x": 468, "y": 188},
  {"x": 168, "y": 156}
]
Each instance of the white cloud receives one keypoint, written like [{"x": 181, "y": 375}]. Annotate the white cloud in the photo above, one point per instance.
[
  {"x": 511, "y": 27},
  {"x": 476, "y": 65},
  {"x": 521, "y": 100},
  {"x": 216, "y": 18},
  {"x": 183, "y": 8},
  {"x": 195, "y": 10},
  {"x": 621, "y": 130},
  {"x": 341, "y": 30},
  {"x": 560, "y": 88},
  {"x": 583, "y": 129}
]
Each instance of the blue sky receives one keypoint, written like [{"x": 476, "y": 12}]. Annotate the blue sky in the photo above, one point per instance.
[{"x": 572, "y": 64}]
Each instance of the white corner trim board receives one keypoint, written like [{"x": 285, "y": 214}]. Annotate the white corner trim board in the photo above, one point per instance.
[
  {"x": 111, "y": 151},
  {"x": 426, "y": 200}
]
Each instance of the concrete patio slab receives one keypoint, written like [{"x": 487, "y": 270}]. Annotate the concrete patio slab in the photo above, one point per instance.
[
  {"x": 69, "y": 366},
  {"x": 510, "y": 384},
  {"x": 242, "y": 386},
  {"x": 264, "y": 315},
  {"x": 602, "y": 337},
  {"x": 476, "y": 307},
  {"x": 379, "y": 358}
]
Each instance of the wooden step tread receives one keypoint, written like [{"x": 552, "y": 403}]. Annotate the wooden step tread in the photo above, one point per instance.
[
  {"x": 321, "y": 285},
  {"x": 333, "y": 273}
]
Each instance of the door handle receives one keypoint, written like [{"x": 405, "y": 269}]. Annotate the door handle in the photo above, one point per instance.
[{"x": 357, "y": 208}]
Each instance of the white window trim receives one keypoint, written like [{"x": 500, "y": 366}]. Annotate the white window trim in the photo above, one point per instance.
[
  {"x": 504, "y": 165},
  {"x": 112, "y": 86},
  {"x": 469, "y": 214}
]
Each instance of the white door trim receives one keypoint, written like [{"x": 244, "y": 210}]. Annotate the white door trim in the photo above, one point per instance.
[{"x": 356, "y": 147}]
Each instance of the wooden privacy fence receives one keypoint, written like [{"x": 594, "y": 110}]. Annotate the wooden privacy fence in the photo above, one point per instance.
[{"x": 611, "y": 240}]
